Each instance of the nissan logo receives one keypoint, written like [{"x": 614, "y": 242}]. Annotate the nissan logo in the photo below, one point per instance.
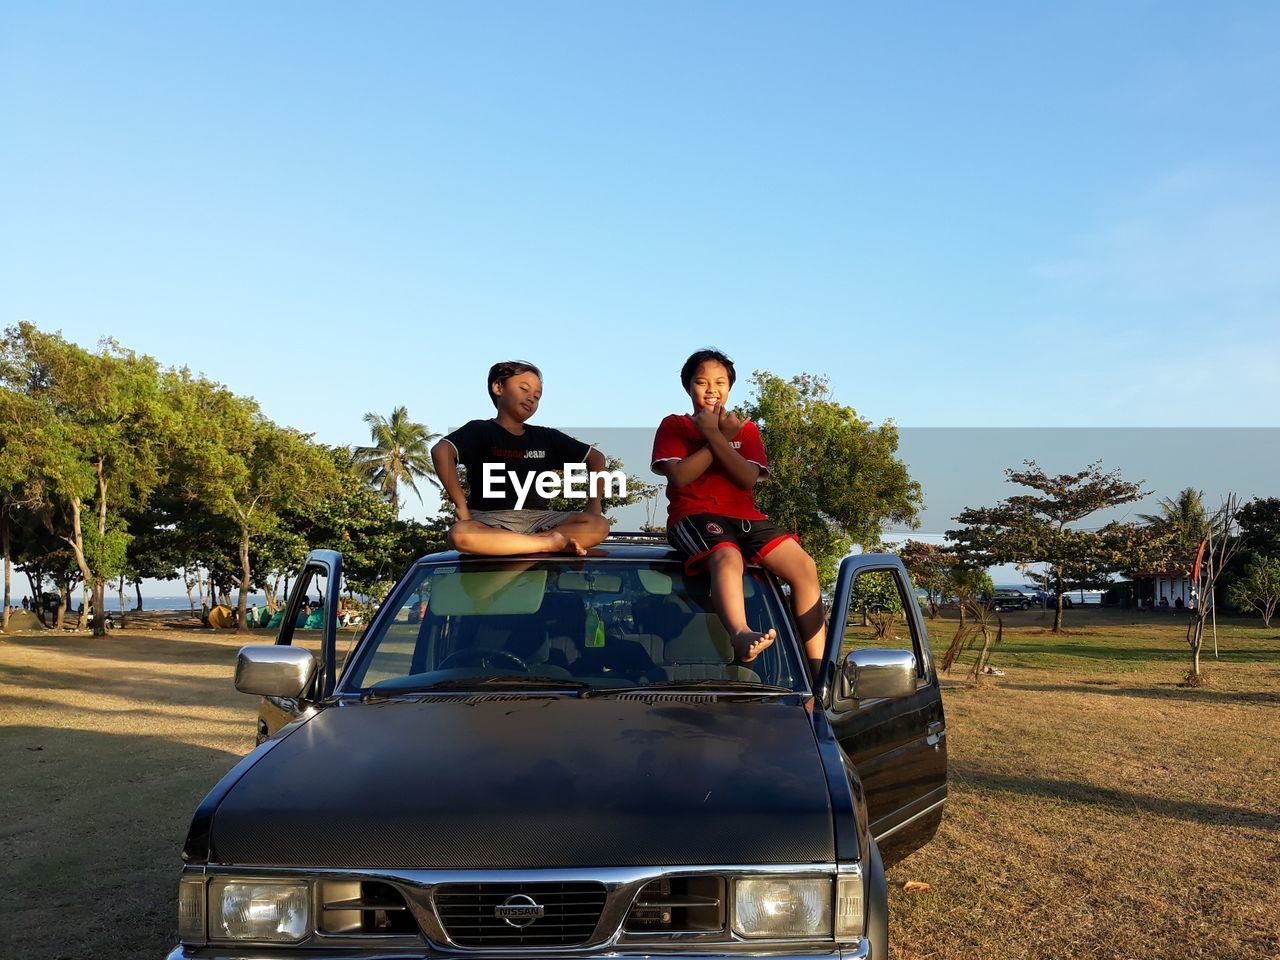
[{"x": 519, "y": 910}]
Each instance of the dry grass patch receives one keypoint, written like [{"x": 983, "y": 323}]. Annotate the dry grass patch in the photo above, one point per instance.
[{"x": 1097, "y": 809}]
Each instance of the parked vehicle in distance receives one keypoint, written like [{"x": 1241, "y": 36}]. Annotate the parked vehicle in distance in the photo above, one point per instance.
[
  {"x": 558, "y": 757},
  {"x": 1008, "y": 600},
  {"x": 1047, "y": 600}
]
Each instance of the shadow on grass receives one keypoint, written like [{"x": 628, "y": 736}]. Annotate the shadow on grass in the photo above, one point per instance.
[
  {"x": 133, "y": 682},
  {"x": 134, "y": 649},
  {"x": 112, "y": 808},
  {"x": 1214, "y": 814},
  {"x": 1094, "y": 650},
  {"x": 1198, "y": 695}
]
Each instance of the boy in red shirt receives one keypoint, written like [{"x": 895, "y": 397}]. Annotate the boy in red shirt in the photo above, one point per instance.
[{"x": 711, "y": 460}]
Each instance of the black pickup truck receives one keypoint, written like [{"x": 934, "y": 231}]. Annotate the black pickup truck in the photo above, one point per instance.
[{"x": 557, "y": 757}]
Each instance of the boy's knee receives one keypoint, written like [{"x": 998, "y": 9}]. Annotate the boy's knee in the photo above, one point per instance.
[
  {"x": 597, "y": 523},
  {"x": 459, "y": 537},
  {"x": 724, "y": 557}
]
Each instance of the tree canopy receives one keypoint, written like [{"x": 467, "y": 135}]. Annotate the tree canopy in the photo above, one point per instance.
[
  {"x": 834, "y": 478},
  {"x": 1042, "y": 527}
]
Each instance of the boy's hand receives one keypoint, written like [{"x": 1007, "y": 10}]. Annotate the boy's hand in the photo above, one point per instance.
[
  {"x": 708, "y": 419},
  {"x": 730, "y": 425}
]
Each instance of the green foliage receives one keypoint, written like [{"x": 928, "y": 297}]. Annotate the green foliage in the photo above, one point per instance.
[
  {"x": 834, "y": 479},
  {"x": 1037, "y": 528},
  {"x": 966, "y": 584},
  {"x": 400, "y": 451},
  {"x": 95, "y": 430},
  {"x": 1259, "y": 521},
  {"x": 930, "y": 566},
  {"x": 876, "y": 589},
  {"x": 1259, "y": 588},
  {"x": 1182, "y": 522}
]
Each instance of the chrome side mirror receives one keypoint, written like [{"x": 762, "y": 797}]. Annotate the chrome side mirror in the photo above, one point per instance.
[
  {"x": 271, "y": 670},
  {"x": 879, "y": 674}
]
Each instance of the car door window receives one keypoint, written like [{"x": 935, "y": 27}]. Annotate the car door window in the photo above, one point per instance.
[{"x": 879, "y": 616}]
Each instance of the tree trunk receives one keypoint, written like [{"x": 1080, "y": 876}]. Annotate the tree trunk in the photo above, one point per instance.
[
  {"x": 191, "y": 600},
  {"x": 98, "y": 584},
  {"x": 1195, "y": 635},
  {"x": 204, "y": 610},
  {"x": 36, "y": 583},
  {"x": 137, "y": 588},
  {"x": 981, "y": 662},
  {"x": 243, "y": 609},
  {"x": 99, "y": 608},
  {"x": 8, "y": 568},
  {"x": 76, "y": 543},
  {"x": 64, "y": 604},
  {"x": 1057, "y": 613},
  {"x": 121, "y": 592},
  {"x": 88, "y": 598}
]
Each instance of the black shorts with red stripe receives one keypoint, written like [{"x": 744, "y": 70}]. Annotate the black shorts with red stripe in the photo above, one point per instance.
[{"x": 699, "y": 535}]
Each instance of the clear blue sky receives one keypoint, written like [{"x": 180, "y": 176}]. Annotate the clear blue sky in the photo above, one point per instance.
[{"x": 965, "y": 214}]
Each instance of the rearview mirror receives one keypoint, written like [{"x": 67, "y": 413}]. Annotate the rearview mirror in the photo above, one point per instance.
[
  {"x": 274, "y": 670},
  {"x": 879, "y": 674}
]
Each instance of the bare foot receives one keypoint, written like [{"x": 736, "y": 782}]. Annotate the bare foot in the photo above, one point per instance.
[
  {"x": 747, "y": 644},
  {"x": 577, "y": 548},
  {"x": 557, "y": 542}
]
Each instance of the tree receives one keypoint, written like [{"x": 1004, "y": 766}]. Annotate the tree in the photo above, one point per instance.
[
  {"x": 834, "y": 479},
  {"x": 1259, "y": 521},
  {"x": 1036, "y": 528},
  {"x": 1221, "y": 544},
  {"x": 16, "y": 465},
  {"x": 1182, "y": 520},
  {"x": 355, "y": 520},
  {"x": 930, "y": 567},
  {"x": 400, "y": 451},
  {"x": 241, "y": 466},
  {"x": 1259, "y": 588},
  {"x": 102, "y": 433}
]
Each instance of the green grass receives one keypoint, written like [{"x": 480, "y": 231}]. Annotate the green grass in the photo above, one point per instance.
[{"x": 1097, "y": 809}]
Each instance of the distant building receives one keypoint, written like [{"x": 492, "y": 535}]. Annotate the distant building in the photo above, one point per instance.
[{"x": 1170, "y": 584}]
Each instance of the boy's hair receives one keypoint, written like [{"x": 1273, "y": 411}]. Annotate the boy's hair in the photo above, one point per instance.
[
  {"x": 700, "y": 357},
  {"x": 504, "y": 371}
]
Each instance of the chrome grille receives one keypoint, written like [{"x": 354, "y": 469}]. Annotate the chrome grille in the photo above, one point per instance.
[{"x": 570, "y": 913}]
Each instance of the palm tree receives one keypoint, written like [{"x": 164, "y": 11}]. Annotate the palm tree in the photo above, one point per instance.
[
  {"x": 401, "y": 451},
  {"x": 1184, "y": 517}
]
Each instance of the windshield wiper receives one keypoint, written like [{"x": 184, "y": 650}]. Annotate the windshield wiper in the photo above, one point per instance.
[
  {"x": 390, "y": 688},
  {"x": 721, "y": 686}
]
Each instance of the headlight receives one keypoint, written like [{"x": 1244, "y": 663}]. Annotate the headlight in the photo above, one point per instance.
[
  {"x": 277, "y": 910},
  {"x": 782, "y": 907}
]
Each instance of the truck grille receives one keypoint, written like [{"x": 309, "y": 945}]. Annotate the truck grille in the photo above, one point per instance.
[{"x": 469, "y": 913}]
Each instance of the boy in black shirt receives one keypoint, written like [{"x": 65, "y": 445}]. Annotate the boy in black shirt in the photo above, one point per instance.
[{"x": 505, "y": 459}]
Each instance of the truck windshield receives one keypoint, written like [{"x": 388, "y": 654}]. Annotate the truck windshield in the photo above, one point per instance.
[{"x": 582, "y": 623}]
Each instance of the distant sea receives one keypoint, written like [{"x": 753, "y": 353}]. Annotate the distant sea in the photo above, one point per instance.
[
  {"x": 1090, "y": 596},
  {"x": 179, "y": 603}
]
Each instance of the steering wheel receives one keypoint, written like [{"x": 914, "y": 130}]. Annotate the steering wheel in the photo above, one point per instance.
[{"x": 486, "y": 659}]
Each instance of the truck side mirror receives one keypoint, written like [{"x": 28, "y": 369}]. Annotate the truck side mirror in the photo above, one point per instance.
[
  {"x": 879, "y": 674},
  {"x": 270, "y": 670}
]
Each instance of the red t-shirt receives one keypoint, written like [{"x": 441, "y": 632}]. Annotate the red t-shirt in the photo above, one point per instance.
[{"x": 713, "y": 492}]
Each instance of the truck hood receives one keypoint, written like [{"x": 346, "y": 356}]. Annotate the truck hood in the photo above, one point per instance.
[{"x": 500, "y": 781}]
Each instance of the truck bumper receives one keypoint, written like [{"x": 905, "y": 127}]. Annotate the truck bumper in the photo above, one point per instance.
[{"x": 859, "y": 951}]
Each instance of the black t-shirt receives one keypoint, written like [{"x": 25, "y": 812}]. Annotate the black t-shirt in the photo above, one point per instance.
[{"x": 537, "y": 449}]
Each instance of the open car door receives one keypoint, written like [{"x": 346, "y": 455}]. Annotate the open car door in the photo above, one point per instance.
[
  {"x": 309, "y": 620},
  {"x": 881, "y": 694}
]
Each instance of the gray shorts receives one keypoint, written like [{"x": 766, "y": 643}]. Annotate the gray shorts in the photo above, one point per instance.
[{"x": 523, "y": 521}]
